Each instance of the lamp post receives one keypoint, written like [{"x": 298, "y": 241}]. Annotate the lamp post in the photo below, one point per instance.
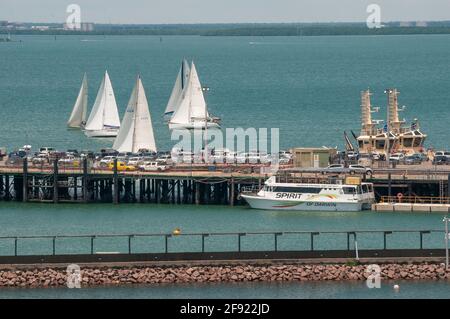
[
  {"x": 388, "y": 130},
  {"x": 447, "y": 237},
  {"x": 205, "y": 90}
]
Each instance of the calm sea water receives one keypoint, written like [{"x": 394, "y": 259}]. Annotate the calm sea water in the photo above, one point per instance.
[
  {"x": 313, "y": 290},
  {"x": 308, "y": 87}
]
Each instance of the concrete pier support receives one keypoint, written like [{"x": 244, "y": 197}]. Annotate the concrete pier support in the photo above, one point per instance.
[
  {"x": 55, "y": 181},
  {"x": 25, "y": 180}
]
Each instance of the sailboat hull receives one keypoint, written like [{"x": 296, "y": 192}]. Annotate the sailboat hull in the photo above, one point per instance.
[
  {"x": 102, "y": 133},
  {"x": 192, "y": 126}
]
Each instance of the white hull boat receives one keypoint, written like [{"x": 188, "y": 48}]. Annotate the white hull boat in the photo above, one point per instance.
[
  {"x": 191, "y": 111},
  {"x": 112, "y": 132},
  {"x": 311, "y": 197},
  {"x": 104, "y": 119},
  {"x": 193, "y": 125}
]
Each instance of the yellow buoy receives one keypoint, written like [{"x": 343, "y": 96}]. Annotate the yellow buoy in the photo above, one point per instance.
[{"x": 177, "y": 231}]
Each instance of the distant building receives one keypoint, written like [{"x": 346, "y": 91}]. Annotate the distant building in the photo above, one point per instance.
[
  {"x": 422, "y": 24},
  {"x": 40, "y": 27},
  {"x": 3, "y": 23},
  {"x": 405, "y": 24},
  {"x": 85, "y": 27}
]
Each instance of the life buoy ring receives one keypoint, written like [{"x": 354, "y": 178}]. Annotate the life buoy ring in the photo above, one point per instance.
[{"x": 399, "y": 197}]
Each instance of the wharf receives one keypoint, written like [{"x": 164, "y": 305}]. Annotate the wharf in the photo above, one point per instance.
[{"x": 200, "y": 184}]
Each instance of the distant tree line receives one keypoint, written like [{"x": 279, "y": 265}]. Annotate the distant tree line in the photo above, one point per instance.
[{"x": 259, "y": 29}]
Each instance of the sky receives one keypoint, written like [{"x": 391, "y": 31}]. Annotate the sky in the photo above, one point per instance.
[{"x": 223, "y": 11}]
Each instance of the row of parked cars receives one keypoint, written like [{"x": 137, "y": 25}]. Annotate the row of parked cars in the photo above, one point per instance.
[{"x": 224, "y": 156}]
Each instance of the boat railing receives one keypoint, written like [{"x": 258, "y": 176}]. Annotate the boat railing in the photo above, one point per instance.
[
  {"x": 250, "y": 190},
  {"x": 401, "y": 199}
]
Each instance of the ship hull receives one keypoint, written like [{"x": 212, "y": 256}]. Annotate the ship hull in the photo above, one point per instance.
[
  {"x": 192, "y": 126},
  {"x": 258, "y": 202},
  {"x": 102, "y": 133}
]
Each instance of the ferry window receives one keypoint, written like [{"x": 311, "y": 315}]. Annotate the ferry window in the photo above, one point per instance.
[
  {"x": 349, "y": 190},
  {"x": 283, "y": 189},
  {"x": 417, "y": 142},
  {"x": 359, "y": 190},
  {"x": 407, "y": 142},
  {"x": 370, "y": 188},
  {"x": 361, "y": 144},
  {"x": 365, "y": 189},
  {"x": 380, "y": 144}
]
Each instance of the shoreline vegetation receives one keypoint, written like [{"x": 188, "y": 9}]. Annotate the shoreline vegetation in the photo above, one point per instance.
[
  {"x": 247, "y": 29},
  {"x": 130, "y": 275}
]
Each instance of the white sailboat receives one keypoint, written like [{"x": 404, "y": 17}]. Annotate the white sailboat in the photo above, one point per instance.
[
  {"x": 192, "y": 111},
  {"x": 177, "y": 91},
  {"x": 79, "y": 112},
  {"x": 104, "y": 118},
  {"x": 136, "y": 132}
]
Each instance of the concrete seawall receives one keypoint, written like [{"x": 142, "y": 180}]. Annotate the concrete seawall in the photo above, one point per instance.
[{"x": 123, "y": 275}]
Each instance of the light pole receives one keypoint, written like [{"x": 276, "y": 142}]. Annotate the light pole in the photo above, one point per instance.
[
  {"x": 388, "y": 131},
  {"x": 447, "y": 237},
  {"x": 205, "y": 90}
]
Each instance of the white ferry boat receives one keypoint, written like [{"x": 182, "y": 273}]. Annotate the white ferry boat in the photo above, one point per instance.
[{"x": 311, "y": 197}]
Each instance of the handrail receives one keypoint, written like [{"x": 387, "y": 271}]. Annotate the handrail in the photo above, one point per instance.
[{"x": 416, "y": 199}]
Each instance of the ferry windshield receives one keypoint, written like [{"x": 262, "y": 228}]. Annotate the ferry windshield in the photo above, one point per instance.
[{"x": 349, "y": 190}]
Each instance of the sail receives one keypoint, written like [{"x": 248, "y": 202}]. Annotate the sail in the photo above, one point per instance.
[
  {"x": 180, "y": 84},
  {"x": 79, "y": 111},
  {"x": 136, "y": 131},
  {"x": 198, "y": 103},
  {"x": 104, "y": 113},
  {"x": 193, "y": 104}
]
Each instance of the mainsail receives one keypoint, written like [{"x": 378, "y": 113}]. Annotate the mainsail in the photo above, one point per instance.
[
  {"x": 78, "y": 117},
  {"x": 136, "y": 131},
  {"x": 193, "y": 104},
  {"x": 177, "y": 91},
  {"x": 104, "y": 113}
]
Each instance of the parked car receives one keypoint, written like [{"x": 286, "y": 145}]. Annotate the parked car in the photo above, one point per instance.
[
  {"x": 334, "y": 167},
  {"x": 47, "y": 150},
  {"x": 397, "y": 157},
  {"x": 121, "y": 166},
  {"x": 69, "y": 160},
  {"x": 165, "y": 159},
  {"x": 241, "y": 158},
  {"x": 135, "y": 161},
  {"x": 414, "y": 159},
  {"x": 443, "y": 153},
  {"x": 153, "y": 166},
  {"x": 440, "y": 160},
  {"x": 40, "y": 159},
  {"x": 351, "y": 155},
  {"x": 360, "y": 169},
  {"x": 105, "y": 161},
  {"x": 230, "y": 158}
]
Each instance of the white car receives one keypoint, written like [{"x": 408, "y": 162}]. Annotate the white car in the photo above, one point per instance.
[
  {"x": 68, "y": 160},
  {"x": 40, "y": 159},
  {"x": 241, "y": 158},
  {"x": 397, "y": 157},
  {"x": 335, "y": 167},
  {"x": 230, "y": 158},
  {"x": 360, "y": 169},
  {"x": 46, "y": 150},
  {"x": 164, "y": 159},
  {"x": 105, "y": 161},
  {"x": 135, "y": 161},
  {"x": 153, "y": 166}
]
